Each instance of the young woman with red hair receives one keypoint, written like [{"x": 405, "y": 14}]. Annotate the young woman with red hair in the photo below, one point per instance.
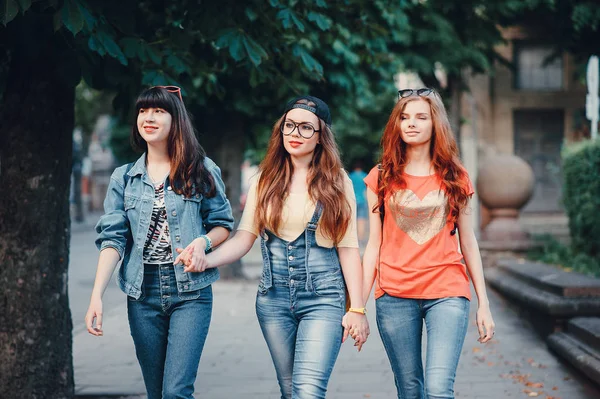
[{"x": 419, "y": 200}]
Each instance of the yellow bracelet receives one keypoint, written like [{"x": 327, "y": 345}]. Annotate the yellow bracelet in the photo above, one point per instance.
[{"x": 358, "y": 310}]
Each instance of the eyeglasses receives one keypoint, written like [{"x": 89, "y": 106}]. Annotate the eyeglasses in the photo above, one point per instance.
[
  {"x": 419, "y": 92},
  {"x": 170, "y": 89},
  {"x": 306, "y": 130}
]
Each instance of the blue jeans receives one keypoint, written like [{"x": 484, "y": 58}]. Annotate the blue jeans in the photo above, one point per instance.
[
  {"x": 400, "y": 324},
  {"x": 304, "y": 336},
  {"x": 300, "y": 305},
  {"x": 169, "y": 330}
]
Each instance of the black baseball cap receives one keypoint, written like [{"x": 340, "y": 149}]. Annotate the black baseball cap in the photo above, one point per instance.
[{"x": 320, "y": 109}]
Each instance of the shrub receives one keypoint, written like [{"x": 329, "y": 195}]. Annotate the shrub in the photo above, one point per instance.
[
  {"x": 581, "y": 171},
  {"x": 553, "y": 252}
]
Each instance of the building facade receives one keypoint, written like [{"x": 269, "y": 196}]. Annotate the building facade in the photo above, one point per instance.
[{"x": 530, "y": 109}]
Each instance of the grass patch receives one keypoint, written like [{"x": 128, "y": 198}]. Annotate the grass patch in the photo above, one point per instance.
[{"x": 551, "y": 251}]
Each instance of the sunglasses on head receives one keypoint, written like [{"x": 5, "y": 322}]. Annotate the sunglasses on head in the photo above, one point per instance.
[
  {"x": 170, "y": 89},
  {"x": 414, "y": 92}
]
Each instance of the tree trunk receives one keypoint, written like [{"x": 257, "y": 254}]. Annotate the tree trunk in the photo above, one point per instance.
[
  {"x": 226, "y": 147},
  {"x": 75, "y": 193},
  {"x": 36, "y": 125}
]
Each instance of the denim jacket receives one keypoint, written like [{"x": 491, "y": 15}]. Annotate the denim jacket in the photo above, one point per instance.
[{"x": 126, "y": 220}]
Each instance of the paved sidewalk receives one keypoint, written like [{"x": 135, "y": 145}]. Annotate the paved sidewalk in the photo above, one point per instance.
[{"x": 236, "y": 362}]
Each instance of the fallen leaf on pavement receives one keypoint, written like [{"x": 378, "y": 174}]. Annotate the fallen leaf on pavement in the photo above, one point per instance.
[
  {"x": 530, "y": 392},
  {"x": 534, "y": 384}
]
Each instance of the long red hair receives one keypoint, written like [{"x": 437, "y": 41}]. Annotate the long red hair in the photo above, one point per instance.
[
  {"x": 443, "y": 151},
  {"x": 325, "y": 184}
]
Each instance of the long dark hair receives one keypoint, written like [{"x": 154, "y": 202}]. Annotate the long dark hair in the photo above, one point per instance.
[
  {"x": 325, "y": 183},
  {"x": 188, "y": 174}
]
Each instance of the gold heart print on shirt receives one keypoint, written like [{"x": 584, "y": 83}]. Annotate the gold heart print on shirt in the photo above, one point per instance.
[{"x": 421, "y": 219}]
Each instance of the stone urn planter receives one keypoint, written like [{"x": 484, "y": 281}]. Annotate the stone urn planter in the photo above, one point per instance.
[{"x": 504, "y": 185}]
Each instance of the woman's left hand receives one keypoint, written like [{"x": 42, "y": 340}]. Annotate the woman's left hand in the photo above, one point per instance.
[
  {"x": 357, "y": 326},
  {"x": 485, "y": 324},
  {"x": 193, "y": 256}
]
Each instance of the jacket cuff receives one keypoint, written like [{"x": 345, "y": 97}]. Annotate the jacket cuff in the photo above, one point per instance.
[{"x": 115, "y": 245}]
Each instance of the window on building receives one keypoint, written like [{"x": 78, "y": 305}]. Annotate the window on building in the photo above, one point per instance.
[{"x": 534, "y": 71}]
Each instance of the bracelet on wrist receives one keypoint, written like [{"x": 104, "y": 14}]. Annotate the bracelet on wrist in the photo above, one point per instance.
[
  {"x": 358, "y": 310},
  {"x": 208, "y": 242}
]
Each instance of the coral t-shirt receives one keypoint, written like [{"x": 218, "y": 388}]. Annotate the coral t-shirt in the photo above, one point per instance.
[{"x": 419, "y": 257}]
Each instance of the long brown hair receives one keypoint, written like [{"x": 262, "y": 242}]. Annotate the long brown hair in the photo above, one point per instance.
[
  {"x": 443, "y": 151},
  {"x": 188, "y": 174},
  {"x": 325, "y": 183}
]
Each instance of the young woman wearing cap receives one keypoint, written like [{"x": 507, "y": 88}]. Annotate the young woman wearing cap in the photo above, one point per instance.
[
  {"x": 302, "y": 206},
  {"x": 424, "y": 193},
  {"x": 170, "y": 197}
]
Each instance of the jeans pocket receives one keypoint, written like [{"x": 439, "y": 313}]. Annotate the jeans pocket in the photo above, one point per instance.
[
  {"x": 261, "y": 289},
  {"x": 204, "y": 294},
  {"x": 189, "y": 295},
  {"x": 329, "y": 288},
  {"x": 142, "y": 295}
]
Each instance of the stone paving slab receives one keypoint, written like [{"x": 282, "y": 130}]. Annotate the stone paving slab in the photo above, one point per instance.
[{"x": 236, "y": 362}]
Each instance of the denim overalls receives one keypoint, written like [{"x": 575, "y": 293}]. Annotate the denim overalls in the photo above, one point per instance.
[{"x": 300, "y": 305}]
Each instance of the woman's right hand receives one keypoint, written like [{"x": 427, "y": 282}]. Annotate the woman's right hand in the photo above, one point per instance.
[
  {"x": 357, "y": 326},
  {"x": 94, "y": 312}
]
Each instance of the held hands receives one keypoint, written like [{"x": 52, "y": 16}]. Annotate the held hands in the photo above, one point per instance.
[
  {"x": 485, "y": 324},
  {"x": 193, "y": 256},
  {"x": 357, "y": 326},
  {"x": 94, "y": 312}
]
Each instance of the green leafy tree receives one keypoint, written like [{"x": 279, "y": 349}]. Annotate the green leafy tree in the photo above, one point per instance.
[{"x": 568, "y": 25}]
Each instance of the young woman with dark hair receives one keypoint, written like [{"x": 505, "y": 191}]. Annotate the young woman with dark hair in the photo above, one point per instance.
[{"x": 171, "y": 197}]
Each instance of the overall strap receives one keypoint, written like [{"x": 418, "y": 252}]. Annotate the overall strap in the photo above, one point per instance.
[
  {"x": 267, "y": 274},
  {"x": 379, "y": 197},
  {"x": 312, "y": 225},
  {"x": 309, "y": 235}
]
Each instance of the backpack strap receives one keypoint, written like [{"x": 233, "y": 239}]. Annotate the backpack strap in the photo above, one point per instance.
[{"x": 380, "y": 197}]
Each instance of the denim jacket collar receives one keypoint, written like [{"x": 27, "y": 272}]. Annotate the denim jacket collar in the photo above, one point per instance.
[{"x": 139, "y": 167}]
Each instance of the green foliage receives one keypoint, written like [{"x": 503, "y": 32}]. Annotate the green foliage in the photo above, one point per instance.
[
  {"x": 553, "y": 252},
  {"x": 581, "y": 171},
  {"x": 241, "y": 63},
  {"x": 569, "y": 25},
  {"x": 10, "y": 9}
]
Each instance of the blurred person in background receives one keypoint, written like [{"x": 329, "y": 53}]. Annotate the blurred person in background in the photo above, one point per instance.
[{"x": 357, "y": 177}]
